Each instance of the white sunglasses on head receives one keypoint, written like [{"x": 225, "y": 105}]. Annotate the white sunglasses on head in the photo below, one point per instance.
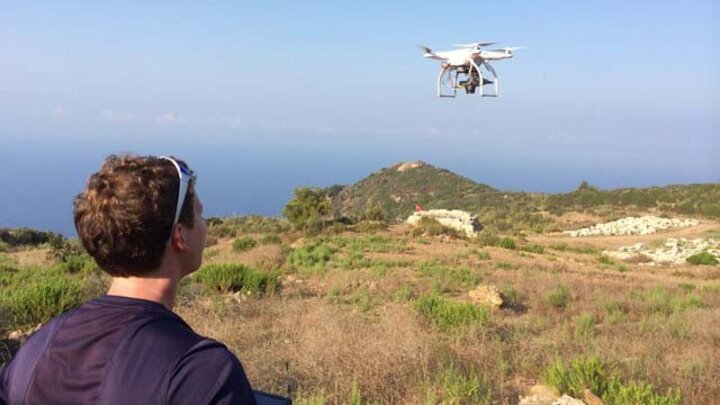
[{"x": 186, "y": 176}]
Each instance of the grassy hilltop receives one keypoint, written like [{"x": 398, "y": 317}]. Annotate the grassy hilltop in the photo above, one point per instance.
[{"x": 385, "y": 313}]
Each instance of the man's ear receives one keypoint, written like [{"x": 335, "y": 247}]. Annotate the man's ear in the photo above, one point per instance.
[{"x": 178, "y": 238}]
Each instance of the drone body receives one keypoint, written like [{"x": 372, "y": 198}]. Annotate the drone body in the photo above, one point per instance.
[{"x": 461, "y": 68}]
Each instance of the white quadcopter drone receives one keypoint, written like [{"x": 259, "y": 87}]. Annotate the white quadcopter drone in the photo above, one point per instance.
[{"x": 460, "y": 68}]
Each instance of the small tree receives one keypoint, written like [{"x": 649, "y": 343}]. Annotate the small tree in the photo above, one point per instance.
[{"x": 307, "y": 208}]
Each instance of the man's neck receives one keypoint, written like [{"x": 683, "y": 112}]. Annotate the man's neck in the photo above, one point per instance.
[{"x": 158, "y": 288}]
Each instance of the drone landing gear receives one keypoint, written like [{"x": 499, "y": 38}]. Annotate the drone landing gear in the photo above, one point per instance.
[{"x": 467, "y": 77}]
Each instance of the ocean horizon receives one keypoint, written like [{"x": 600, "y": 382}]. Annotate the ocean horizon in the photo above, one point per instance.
[{"x": 244, "y": 178}]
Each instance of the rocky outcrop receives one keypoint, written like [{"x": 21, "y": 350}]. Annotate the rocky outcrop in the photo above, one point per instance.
[
  {"x": 486, "y": 295},
  {"x": 462, "y": 221},
  {"x": 646, "y": 225},
  {"x": 675, "y": 251}
]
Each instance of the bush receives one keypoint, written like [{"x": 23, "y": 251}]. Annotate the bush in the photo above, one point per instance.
[
  {"x": 452, "y": 386},
  {"x": 639, "y": 393},
  {"x": 591, "y": 373},
  {"x": 703, "y": 259},
  {"x": 310, "y": 258},
  {"x": 508, "y": 243},
  {"x": 237, "y": 277},
  {"x": 244, "y": 244},
  {"x": 270, "y": 239},
  {"x": 452, "y": 315},
  {"x": 559, "y": 297},
  {"x": 583, "y": 372},
  {"x": 533, "y": 248},
  {"x": 428, "y": 226},
  {"x": 448, "y": 277},
  {"x": 306, "y": 210},
  {"x": 78, "y": 263},
  {"x": 39, "y": 299}
]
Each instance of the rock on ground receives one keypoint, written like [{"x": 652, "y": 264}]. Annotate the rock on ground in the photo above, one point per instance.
[
  {"x": 486, "y": 295},
  {"x": 675, "y": 251},
  {"x": 646, "y": 225},
  {"x": 461, "y": 220}
]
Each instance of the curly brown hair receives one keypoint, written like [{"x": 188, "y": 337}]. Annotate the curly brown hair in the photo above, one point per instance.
[{"x": 125, "y": 214}]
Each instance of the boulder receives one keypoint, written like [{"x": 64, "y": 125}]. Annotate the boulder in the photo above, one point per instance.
[
  {"x": 486, "y": 295},
  {"x": 460, "y": 220}
]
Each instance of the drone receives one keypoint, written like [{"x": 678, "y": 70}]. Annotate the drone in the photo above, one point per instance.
[{"x": 460, "y": 68}]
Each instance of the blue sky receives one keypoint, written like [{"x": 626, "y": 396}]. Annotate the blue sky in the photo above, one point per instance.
[{"x": 618, "y": 93}]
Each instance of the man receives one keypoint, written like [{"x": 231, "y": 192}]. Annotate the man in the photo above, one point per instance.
[{"x": 141, "y": 220}]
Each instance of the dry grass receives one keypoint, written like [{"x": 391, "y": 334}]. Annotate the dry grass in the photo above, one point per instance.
[{"x": 349, "y": 325}]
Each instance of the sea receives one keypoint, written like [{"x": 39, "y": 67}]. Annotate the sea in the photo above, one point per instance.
[{"x": 39, "y": 178}]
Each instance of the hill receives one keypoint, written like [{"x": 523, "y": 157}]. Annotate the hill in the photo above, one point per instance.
[{"x": 396, "y": 190}]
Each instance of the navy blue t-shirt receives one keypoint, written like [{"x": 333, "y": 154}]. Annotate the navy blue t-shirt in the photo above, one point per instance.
[{"x": 119, "y": 350}]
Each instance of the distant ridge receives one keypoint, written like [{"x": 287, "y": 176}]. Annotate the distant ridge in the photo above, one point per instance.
[{"x": 396, "y": 190}]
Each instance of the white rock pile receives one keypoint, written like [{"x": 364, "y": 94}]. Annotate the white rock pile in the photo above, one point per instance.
[
  {"x": 645, "y": 225},
  {"x": 675, "y": 251},
  {"x": 456, "y": 219}
]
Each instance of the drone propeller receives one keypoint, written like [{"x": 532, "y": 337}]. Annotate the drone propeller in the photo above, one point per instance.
[
  {"x": 425, "y": 48},
  {"x": 475, "y": 44},
  {"x": 508, "y": 49}
]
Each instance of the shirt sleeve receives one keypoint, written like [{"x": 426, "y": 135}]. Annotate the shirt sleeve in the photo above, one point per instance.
[{"x": 209, "y": 373}]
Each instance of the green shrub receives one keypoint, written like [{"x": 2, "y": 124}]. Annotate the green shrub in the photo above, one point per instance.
[
  {"x": 452, "y": 386},
  {"x": 370, "y": 226},
  {"x": 639, "y": 393},
  {"x": 310, "y": 258},
  {"x": 559, "y": 297},
  {"x": 449, "y": 277},
  {"x": 616, "y": 312},
  {"x": 702, "y": 259},
  {"x": 583, "y": 372},
  {"x": 483, "y": 255},
  {"x": 78, "y": 263},
  {"x": 244, "y": 244},
  {"x": 365, "y": 299},
  {"x": 270, "y": 239},
  {"x": 508, "y": 243},
  {"x": 452, "y": 315},
  {"x": 39, "y": 299},
  {"x": 487, "y": 238},
  {"x": 306, "y": 210},
  {"x": 404, "y": 293},
  {"x": 237, "y": 277},
  {"x": 591, "y": 373},
  {"x": 687, "y": 286},
  {"x": 584, "y": 326},
  {"x": 605, "y": 260},
  {"x": 662, "y": 301},
  {"x": 533, "y": 248},
  {"x": 428, "y": 226}
]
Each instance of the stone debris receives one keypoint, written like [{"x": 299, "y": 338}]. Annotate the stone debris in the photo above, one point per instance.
[
  {"x": 675, "y": 251},
  {"x": 486, "y": 295},
  {"x": 461, "y": 220},
  {"x": 568, "y": 400},
  {"x": 539, "y": 395},
  {"x": 646, "y": 225},
  {"x": 21, "y": 336}
]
